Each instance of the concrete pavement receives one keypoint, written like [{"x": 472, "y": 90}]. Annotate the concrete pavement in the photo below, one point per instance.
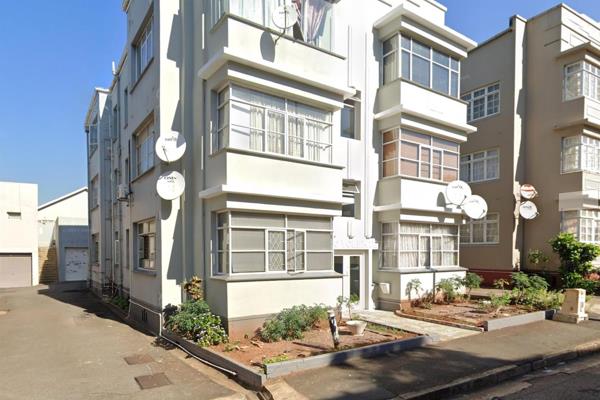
[{"x": 62, "y": 343}]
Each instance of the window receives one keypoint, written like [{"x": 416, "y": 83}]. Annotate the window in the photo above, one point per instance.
[
  {"x": 127, "y": 244},
  {"x": 143, "y": 50},
  {"x": 115, "y": 183},
  {"x": 13, "y": 214},
  {"x": 146, "y": 243},
  {"x": 415, "y": 154},
  {"x": 481, "y": 231},
  {"x": 584, "y": 224},
  {"x": 95, "y": 249},
  {"x": 144, "y": 149},
  {"x": 125, "y": 107},
  {"x": 115, "y": 123},
  {"x": 411, "y": 245},
  {"x": 93, "y": 136},
  {"x": 117, "y": 249},
  {"x": 351, "y": 198},
  {"x": 421, "y": 64},
  {"x": 580, "y": 153},
  {"x": 315, "y": 17},
  {"x": 482, "y": 102},
  {"x": 351, "y": 118},
  {"x": 480, "y": 166},
  {"x": 95, "y": 199},
  {"x": 266, "y": 243},
  {"x": 247, "y": 119},
  {"x": 581, "y": 79}
]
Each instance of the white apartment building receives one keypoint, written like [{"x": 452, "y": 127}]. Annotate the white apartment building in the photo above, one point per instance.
[{"x": 316, "y": 157}]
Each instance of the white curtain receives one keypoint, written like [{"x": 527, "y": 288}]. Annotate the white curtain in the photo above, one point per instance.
[
  {"x": 276, "y": 132},
  {"x": 295, "y": 136}
]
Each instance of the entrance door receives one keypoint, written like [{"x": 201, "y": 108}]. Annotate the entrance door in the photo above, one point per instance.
[
  {"x": 353, "y": 271},
  {"x": 15, "y": 270},
  {"x": 76, "y": 264}
]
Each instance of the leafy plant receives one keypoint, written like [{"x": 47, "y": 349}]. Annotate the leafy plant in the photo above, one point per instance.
[
  {"x": 193, "y": 288},
  {"x": 499, "y": 301},
  {"x": 121, "y": 302},
  {"x": 413, "y": 285},
  {"x": 349, "y": 302},
  {"x": 449, "y": 288},
  {"x": 575, "y": 258},
  {"x": 291, "y": 323},
  {"x": 276, "y": 359},
  {"x": 194, "y": 321},
  {"x": 537, "y": 258},
  {"x": 471, "y": 281},
  {"x": 501, "y": 283}
]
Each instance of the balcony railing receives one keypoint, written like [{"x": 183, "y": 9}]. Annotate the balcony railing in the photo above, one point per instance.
[{"x": 314, "y": 25}]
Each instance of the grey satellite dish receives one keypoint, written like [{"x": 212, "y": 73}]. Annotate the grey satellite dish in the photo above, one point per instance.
[
  {"x": 528, "y": 210},
  {"x": 285, "y": 16},
  {"x": 457, "y": 192},
  {"x": 170, "y": 185},
  {"x": 170, "y": 147},
  {"x": 475, "y": 207}
]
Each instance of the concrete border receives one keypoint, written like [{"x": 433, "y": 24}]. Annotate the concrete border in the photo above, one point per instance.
[
  {"x": 521, "y": 319},
  {"x": 339, "y": 357},
  {"x": 501, "y": 374}
]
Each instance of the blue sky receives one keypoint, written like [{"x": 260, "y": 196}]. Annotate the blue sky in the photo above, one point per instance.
[{"x": 52, "y": 54}]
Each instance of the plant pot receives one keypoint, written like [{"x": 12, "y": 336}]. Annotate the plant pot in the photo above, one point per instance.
[{"x": 356, "y": 328}]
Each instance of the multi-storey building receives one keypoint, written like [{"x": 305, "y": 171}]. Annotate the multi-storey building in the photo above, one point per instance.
[
  {"x": 533, "y": 93},
  {"x": 316, "y": 159}
]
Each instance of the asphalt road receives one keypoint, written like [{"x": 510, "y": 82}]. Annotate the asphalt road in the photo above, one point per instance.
[
  {"x": 62, "y": 343},
  {"x": 578, "y": 380}
]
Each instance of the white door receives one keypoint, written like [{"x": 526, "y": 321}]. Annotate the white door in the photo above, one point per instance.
[
  {"x": 76, "y": 264},
  {"x": 353, "y": 271}
]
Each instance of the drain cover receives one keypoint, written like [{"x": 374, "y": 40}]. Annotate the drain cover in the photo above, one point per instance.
[
  {"x": 152, "y": 381},
  {"x": 138, "y": 359}
]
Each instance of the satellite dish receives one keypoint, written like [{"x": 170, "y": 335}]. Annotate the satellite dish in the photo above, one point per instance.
[
  {"x": 285, "y": 16},
  {"x": 528, "y": 210},
  {"x": 170, "y": 147},
  {"x": 475, "y": 207},
  {"x": 457, "y": 192},
  {"x": 170, "y": 185},
  {"x": 528, "y": 191}
]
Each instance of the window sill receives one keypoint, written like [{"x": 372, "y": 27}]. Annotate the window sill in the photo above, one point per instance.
[
  {"x": 422, "y": 270},
  {"x": 455, "y": 98},
  {"x": 414, "y": 178},
  {"x": 144, "y": 271},
  {"x": 264, "y": 276},
  {"x": 275, "y": 156},
  {"x": 479, "y": 244},
  {"x": 139, "y": 78},
  {"x": 482, "y": 118},
  {"x": 143, "y": 174}
]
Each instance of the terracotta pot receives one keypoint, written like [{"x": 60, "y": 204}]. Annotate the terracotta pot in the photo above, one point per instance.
[{"x": 357, "y": 328}]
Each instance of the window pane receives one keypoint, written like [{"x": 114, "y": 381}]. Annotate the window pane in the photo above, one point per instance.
[
  {"x": 478, "y": 233},
  {"x": 409, "y": 150},
  {"x": 390, "y": 151},
  {"x": 451, "y": 160},
  {"x": 246, "y": 239},
  {"x": 318, "y": 261},
  {"x": 421, "y": 49},
  {"x": 440, "y": 78},
  {"x": 247, "y": 262},
  {"x": 409, "y": 260},
  {"x": 405, "y": 65},
  {"x": 420, "y": 73},
  {"x": 390, "y": 168},
  {"x": 454, "y": 84},
  {"x": 441, "y": 58},
  {"x": 409, "y": 168},
  {"x": 478, "y": 170},
  {"x": 390, "y": 68},
  {"x": 492, "y": 168},
  {"x": 319, "y": 241}
]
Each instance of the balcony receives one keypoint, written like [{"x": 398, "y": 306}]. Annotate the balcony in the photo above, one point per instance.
[
  {"x": 401, "y": 96},
  {"x": 579, "y": 200},
  {"x": 250, "y": 39}
]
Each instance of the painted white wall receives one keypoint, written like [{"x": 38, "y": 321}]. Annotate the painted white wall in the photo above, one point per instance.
[{"x": 75, "y": 206}]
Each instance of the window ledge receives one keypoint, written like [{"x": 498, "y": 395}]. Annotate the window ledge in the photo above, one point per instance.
[
  {"x": 144, "y": 271},
  {"x": 261, "y": 276},
  {"x": 275, "y": 156}
]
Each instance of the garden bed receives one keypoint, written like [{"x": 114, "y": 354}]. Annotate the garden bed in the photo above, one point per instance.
[{"x": 464, "y": 314}]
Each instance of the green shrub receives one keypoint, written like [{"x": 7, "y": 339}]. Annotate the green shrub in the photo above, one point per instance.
[
  {"x": 194, "y": 321},
  {"x": 449, "y": 288},
  {"x": 193, "y": 288},
  {"x": 471, "y": 281},
  {"x": 575, "y": 258},
  {"x": 413, "y": 285},
  {"x": 498, "y": 301},
  {"x": 121, "y": 302},
  {"x": 291, "y": 323}
]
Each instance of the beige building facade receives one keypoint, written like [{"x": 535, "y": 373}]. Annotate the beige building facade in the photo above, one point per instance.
[{"x": 533, "y": 96}]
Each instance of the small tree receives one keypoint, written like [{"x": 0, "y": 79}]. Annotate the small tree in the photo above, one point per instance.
[
  {"x": 413, "y": 285},
  {"x": 575, "y": 258},
  {"x": 471, "y": 281},
  {"x": 449, "y": 288},
  {"x": 349, "y": 302}
]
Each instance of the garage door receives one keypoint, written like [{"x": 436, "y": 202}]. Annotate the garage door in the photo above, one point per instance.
[
  {"x": 15, "y": 270},
  {"x": 76, "y": 264}
]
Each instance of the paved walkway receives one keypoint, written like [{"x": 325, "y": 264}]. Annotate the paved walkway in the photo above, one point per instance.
[
  {"x": 388, "y": 318},
  {"x": 396, "y": 374},
  {"x": 62, "y": 343}
]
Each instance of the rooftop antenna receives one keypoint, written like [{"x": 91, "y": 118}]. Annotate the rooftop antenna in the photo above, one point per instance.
[
  {"x": 114, "y": 68},
  {"x": 284, "y": 17}
]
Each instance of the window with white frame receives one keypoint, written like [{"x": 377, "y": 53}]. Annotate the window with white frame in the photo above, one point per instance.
[
  {"x": 95, "y": 198},
  {"x": 351, "y": 118},
  {"x": 143, "y": 49},
  {"x": 414, "y": 154},
  {"x": 413, "y": 245},
  {"x": 584, "y": 224},
  {"x": 481, "y": 231},
  {"x": 482, "y": 102},
  {"x": 420, "y": 63},
  {"x": 251, "y": 120},
  {"x": 272, "y": 243},
  {"x": 580, "y": 153},
  {"x": 144, "y": 148},
  {"x": 146, "y": 243},
  {"x": 351, "y": 198},
  {"x": 480, "y": 166},
  {"x": 581, "y": 79}
]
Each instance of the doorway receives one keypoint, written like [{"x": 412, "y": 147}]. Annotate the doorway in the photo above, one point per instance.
[{"x": 351, "y": 266}]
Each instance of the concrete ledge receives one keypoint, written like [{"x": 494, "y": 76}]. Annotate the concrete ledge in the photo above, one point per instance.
[
  {"x": 252, "y": 379},
  {"x": 285, "y": 367},
  {"x": 522, "y": 319}
]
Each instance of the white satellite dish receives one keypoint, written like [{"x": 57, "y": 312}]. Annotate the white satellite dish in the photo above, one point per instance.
[
  {"x": 457, "y": 192},
  {"x": 528, "y": 210},
  {"x": 528, "y": 191},
  {"x": 170, "y": 185},
  {"x": 475, "y": 207},
  {"x": 170, "y": 147},
  {"x": 285, "y": 16}
]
